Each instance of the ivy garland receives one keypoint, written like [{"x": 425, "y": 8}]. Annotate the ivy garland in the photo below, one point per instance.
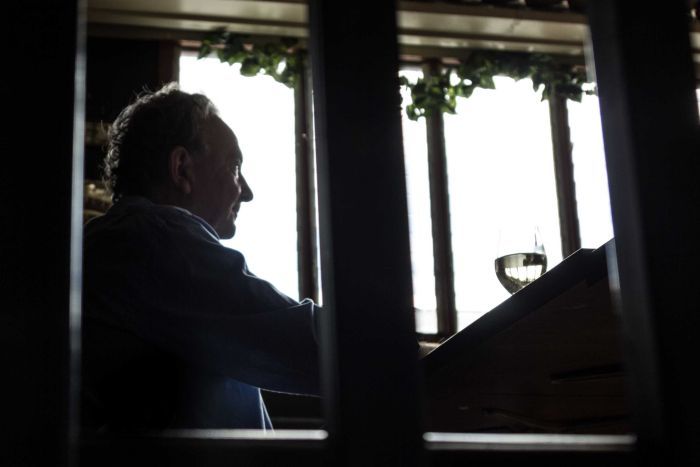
[
  {"x": 284, "y": 59},
  {"x": 439, "y": 92}
]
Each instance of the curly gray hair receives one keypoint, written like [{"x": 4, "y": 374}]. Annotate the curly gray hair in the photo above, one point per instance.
[{"x": 144, "y": 134}]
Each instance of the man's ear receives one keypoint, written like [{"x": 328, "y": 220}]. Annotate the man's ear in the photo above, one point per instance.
[{"x": 180, "y": 169}]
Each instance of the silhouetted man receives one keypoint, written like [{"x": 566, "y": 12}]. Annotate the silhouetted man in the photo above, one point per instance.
[{"x": 177, "y": 331}]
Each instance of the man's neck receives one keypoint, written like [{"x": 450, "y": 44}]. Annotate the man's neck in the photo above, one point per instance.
[{"x": 168, "y": 198}]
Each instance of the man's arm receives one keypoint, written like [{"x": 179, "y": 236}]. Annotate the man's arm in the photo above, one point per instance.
[{"x": 190, "y": 296}]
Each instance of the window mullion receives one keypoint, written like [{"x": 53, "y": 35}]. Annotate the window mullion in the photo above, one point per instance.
[
  {"x": 564, "y": 174},
  {"x": 369, "y": 353},
  {"x": 306, "y": 219},
  {"x": 440, "y": 218},
  {"x": 651, "y": 148}
]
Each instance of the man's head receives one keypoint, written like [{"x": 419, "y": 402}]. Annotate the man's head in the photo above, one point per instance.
[{"x": 171, "y": 147}]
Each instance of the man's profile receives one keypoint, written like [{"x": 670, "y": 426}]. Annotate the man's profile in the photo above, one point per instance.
[{"x": 178, "y": 333}]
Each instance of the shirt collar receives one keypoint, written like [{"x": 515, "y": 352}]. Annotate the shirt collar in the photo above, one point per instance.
[
  {"x": 204, "y": 223},
  {"x": 132, "y": 199}
]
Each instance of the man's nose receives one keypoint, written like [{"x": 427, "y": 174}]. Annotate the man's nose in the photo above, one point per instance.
[{"x": 246, "y": 192}]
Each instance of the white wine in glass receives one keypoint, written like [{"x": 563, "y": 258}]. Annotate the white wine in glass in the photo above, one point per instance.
[{"x": 521, "y": 259}]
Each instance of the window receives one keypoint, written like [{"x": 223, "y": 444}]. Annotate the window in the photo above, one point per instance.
[
  {"x": 501, "y": 173},
  {"x": 267, "y": 232},
  {"x": 590, "y": 173},
  {"x": 419, "y": 220},
  {"x": 500, "y": 166}
]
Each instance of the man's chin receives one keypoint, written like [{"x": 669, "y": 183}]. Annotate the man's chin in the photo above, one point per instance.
[{"x": 226, "y": 232}]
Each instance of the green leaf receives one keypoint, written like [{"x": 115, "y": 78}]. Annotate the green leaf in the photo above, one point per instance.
[
  {"x": 204, "y": 50},
  {"x": 233, "y": 44},
  {"x": 420, "y": 100},
  {"x": 413, "y": 113},
  {"x": 469, "y": 92},
  {"x": 234, "y": 58},
  {"x": 287, "y": 77},
  {"x": 284, "y": 62},
  {"x": 461, "y": 71},
  {"x": 486, "y": 82},
  {"x": 217, "y": 36},
  {"x": 546, "y": 93},
  {"x": 447, "y": 108},
  {"x": 250, "y": 66}
]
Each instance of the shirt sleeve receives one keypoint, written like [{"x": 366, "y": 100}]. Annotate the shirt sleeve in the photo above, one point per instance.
[{"x": 175, "y": 286}]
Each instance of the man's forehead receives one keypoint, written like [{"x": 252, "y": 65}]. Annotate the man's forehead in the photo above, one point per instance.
[
  {"x": 221, "y": 134},
  {"x": 219, "y": 127}
]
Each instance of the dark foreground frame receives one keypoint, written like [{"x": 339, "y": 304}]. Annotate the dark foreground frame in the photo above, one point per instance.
[{"x": 371, "y": 382}]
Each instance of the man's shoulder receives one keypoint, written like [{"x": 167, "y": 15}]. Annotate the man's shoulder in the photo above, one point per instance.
[
  {"x": 136, "y": 214},
  {"x": 141, "y": 224}
]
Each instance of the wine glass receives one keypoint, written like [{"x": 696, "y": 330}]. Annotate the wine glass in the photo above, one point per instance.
[{"x": 520, "y": 257}]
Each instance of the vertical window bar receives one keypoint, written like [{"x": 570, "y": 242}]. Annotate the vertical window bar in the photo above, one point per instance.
[
  {"x": 440, "y": 215},
  {"x": 40, "y": 239},
  {"x": 368, "y": 330},
  {"x": 651, "y": 146},
  {"x": 306, "y": 218},
  {"x": 564, "y": 174}
]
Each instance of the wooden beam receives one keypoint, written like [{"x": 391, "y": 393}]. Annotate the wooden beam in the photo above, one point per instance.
[
  {"x": 369, "y": 345},
  {"x": 649, "y": 112},
  {"x": 40, "y": 241},
  {"x": 564, "y": 174},
  {"x": 440, "y": 219}
]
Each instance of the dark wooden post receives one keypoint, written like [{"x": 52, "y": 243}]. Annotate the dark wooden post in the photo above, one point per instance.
[
  {"x": 41, "y": 192},
  {"x": 440, "y": 215},
  {"x": 564, "y": 174},
  {"x": 369, "y": 346},
  {"x": 649, "y": 111}
]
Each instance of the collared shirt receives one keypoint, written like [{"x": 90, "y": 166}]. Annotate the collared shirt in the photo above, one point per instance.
[{"x": 178, "y": 333}]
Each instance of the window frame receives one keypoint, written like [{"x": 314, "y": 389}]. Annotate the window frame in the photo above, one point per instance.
[
  {"x": 446, "y": 309},
  {"x": 58, "y": 348}
]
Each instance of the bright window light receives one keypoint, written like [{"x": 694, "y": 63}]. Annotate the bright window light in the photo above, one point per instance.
[
  {"x": 590, "y": 173},
  {"x": 501, "y": 173},
  {"x": 419, "y": 220},
  {"x": 261, "y": 113}
]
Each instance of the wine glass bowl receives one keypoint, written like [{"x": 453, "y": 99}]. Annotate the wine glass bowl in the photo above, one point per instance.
[{"x": 521, "y": 258}]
